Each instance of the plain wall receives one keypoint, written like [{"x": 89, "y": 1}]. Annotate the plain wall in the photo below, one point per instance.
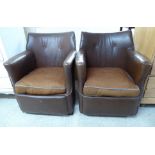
[{"x": 13, "y": 39}]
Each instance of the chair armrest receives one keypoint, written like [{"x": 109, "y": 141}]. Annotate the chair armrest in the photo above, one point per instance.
[
  {"x": 68, "y": 70},
  {"x": 20, "y": 65},
  {"x": 138, "y": 67},
  {"x": 81, "y": 70}
]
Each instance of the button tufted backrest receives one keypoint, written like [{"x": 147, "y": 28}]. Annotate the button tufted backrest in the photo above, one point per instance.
[
  {"x": 106, "y": 49},
  {"x": 51, "y": 49}
]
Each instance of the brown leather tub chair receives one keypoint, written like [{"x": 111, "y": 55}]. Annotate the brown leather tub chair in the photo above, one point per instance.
[
  {"x": 42, "y": 75},
  {"x": 111, "y": 74}
]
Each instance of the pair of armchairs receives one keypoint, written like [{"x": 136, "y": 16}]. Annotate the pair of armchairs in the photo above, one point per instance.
[{"x": 110, "y": 74}]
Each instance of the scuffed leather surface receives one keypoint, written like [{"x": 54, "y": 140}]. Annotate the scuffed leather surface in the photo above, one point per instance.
[
  {"x": 47, "y": 56},
  {"x": 109, "y": 81},
  {"x": 106, "y": 49},
  {"x": 51, "y": 49},
  {"x": 47, "y": 105},
  {"x": 68, "y": 66},
  {"x": 20, "y": 65},
  {"x": 81, "y": 69},
  {"x": 138, "y": 66},
  {"x": 109, "y": 106},
  {"x": 42, "y": 81},
  {"x": 110, "y": 50}
]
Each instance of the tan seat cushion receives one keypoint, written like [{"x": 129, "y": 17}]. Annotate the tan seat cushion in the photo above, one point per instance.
[
  {"x": 42, "y": 81},
  {"x": 109, "y": 82}
]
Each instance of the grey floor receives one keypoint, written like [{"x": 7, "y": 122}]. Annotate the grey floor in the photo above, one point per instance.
[{"x": 11, "y": 115}]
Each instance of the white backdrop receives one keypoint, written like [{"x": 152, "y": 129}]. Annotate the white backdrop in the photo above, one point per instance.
[{"x": 13, "y": 39}]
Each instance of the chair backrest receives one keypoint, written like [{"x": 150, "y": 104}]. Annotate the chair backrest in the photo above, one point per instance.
[
  {"x": 51, "y": 49},
  {"x": 106, "y": 49}
]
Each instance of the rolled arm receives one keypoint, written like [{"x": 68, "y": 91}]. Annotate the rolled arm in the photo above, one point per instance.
[
  {"x": 81, "y": 69},
  {"x": 68, "y": 70},
  {"x": 20, "y": 65},
  {"x": 138, "y": 67}
]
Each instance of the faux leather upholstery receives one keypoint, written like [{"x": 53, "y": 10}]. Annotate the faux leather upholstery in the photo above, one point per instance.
[
  {"x": 138, "y": 66},
  {"x": 50, "y": 49},
  {"x": 102, "y": 50},
  {"x": 45, "y": 50},
  {"x": 42, "y": 81},
  {"x": 106, "y": 49},
  {"x": 20, "y": 65},
  {"x": 109, "y": 81}
]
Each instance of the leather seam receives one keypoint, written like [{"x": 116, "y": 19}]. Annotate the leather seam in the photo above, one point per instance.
[
  {"x": 40, "y": 87},
  {"x": 110, "y": 88}
]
